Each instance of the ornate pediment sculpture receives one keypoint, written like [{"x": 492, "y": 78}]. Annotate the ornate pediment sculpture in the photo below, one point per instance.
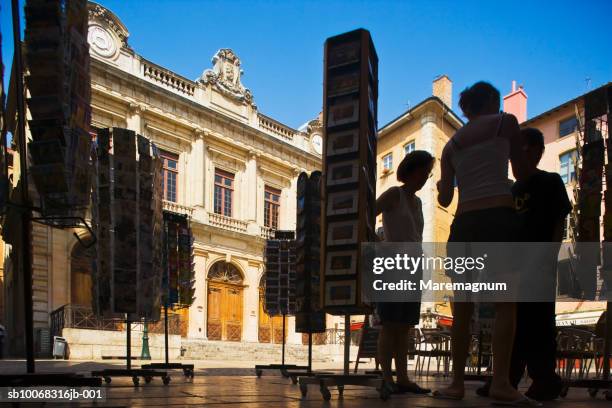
[
  {"x": 106, "y": 21},
  {"x": 225, "y": 77}
]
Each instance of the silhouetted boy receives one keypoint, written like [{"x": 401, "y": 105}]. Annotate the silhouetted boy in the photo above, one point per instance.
[{"x": 542, "y": 204}]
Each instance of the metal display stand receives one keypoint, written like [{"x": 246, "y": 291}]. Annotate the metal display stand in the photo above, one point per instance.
[
  {"x": 295, "y": 375},
  {"x": 604, "y": 383},
  {"x": 326, "y": 380},
  {"x": 593, "y": 127},
  {"x": 188, "y": 369},
  {"x": 135, "y": 373},
  {"x": 167, "y": 365},
  {"x": 282, "y": 366},
  {"x": 31, "y": 378}
]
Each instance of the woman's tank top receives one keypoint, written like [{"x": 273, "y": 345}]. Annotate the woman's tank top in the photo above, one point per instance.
[
  {"x": 482, "y": 169},
  {"x": 404, "y": 222}
]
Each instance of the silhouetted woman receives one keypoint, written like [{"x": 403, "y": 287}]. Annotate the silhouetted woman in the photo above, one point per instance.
[
  {"x": 477, "y": 158},
  {"x": 402, "y": 216}
]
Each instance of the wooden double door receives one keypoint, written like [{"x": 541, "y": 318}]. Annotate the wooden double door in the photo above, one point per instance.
[
  {"x": 224, "y": 320},
  {"x": 270, "y": 327}
]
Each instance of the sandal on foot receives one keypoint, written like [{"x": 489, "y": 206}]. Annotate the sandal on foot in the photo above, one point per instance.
[
  {"x": 520, "y": 402},
  {"x": 411, "y": 388},
  {"x": 438, "y": 394}
]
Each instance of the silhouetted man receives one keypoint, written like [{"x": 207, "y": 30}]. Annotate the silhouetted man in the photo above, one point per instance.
[{"x": 542, "y": 204}]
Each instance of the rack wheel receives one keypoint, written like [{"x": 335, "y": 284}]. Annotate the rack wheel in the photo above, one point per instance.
[
  {"x": 325, "y": 393},
  {"x": 593, "y": 392},
  {"x": 564, "y": 390},
  {"x": 294, "y": 380},
  {"x": 258, "y": 373},
  {"x": 304, "y": 390},
  {"x": 190, "y": 373},
  {"x": 608, "y": 395},
  {"x": 166, "y": 380},
  {"x": 148, "y": 379},
  {"x": 136, "y": 381},
  {"x": 341, "y": 390},
  {"x": 108, "y": 380}
]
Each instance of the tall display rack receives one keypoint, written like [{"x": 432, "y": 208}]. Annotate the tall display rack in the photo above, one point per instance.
[
  {"x": 178, "y": 280},
  {"x": 128, "y": 222},
  {"x": 309, "y": 316},
  {"x": 59, "y": 107},
  {"x": 279, "y": 295},
  {"x": 350, "y": 125},
  {"x": 595, "y": 171}
]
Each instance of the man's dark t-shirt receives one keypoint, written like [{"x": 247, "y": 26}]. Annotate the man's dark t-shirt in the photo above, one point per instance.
[{"x": 541, "y": 201}]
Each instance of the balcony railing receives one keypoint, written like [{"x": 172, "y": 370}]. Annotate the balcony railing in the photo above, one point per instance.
[
  {"x": 178, "y": 208},
  {"x": 276, "y": 128},
  {"x": 168, "y": 79},
  {"x": 267, "y": 232},
  {"x": 82, "y": 317},
  {"x": 228, "y": 223}
]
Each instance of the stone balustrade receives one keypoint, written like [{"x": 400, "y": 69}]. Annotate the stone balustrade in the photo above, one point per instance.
[
  {"x": 178, "y": 208},
  {"x": 271, "y": 126},
  {"x": 168, "y": 79},
  {"x": 228, "y": 223},
  {"x": 267, "y": 232}
]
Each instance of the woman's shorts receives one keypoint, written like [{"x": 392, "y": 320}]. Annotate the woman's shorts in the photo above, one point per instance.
[
  {"x": 485, "y": 233},
  {"x": 407, "y": 313}
]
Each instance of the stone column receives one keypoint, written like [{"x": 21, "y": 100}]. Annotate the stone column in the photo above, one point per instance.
[
  {"x": 197, "y": 311},
  {"x": 209, "y": 179},
  {"x": 259, "y": 199},
  {"x": 249, "y": 201},
  {"x": 428, "y": 193},
  {"x": 292, "y": 336},
  {"x": 251, "y": 303},
  {"x": 197, "y": 170},
  {"x": 289, "y": 204},
  {"x": 133, "y": 119}
]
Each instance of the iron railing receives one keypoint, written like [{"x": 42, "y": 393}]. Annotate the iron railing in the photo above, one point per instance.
[{"x": 82, "y": 317}]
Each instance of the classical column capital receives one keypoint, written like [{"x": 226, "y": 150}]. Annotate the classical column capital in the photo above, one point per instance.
[
  {"x": 136, "y": 108},
  {"x": 200, "y": 133}
]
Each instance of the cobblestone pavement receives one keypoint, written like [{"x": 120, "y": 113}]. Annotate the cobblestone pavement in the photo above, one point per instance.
[{"x": 234, "y": 384}]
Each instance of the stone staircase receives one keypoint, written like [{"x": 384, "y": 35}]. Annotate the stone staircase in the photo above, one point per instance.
[{"x": 264, "y": 353}]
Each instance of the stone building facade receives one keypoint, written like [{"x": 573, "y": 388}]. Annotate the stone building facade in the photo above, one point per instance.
[{"x": 229, "y": 167}]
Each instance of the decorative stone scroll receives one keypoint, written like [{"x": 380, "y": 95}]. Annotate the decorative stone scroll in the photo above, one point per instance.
[{"x": 225, "y": 76}]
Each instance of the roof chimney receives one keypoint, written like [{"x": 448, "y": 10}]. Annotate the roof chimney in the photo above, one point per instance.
[
  {"x": 516, "y": 102},
  {"x": 442, "y": 88}
]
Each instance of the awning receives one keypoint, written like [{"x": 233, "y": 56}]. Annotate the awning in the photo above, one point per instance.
[
  {"x": 356, "y": 326},
  {"x": 589, "y": 318}
]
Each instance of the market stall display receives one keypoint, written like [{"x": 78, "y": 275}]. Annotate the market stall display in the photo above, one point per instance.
[
  {"x": 18, "y": 231},
  {"x": 178, "y": 279},
  {"x": 57, "y": 55},
  {"x": 280, "y": 292},
  {"x": 350, "y": 122},
  {"x": 127, "y": 213},
  {"x": 596, "y": 280}
]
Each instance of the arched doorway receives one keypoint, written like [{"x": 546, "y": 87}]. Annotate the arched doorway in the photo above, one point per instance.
[
  {"x": 81, "y": 260},
  {"x": 270, "y": 327},
  {"x": 224, "y": 311}
]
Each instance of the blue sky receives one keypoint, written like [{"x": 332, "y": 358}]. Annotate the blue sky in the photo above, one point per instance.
[{"x": 550, "y": 47}]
